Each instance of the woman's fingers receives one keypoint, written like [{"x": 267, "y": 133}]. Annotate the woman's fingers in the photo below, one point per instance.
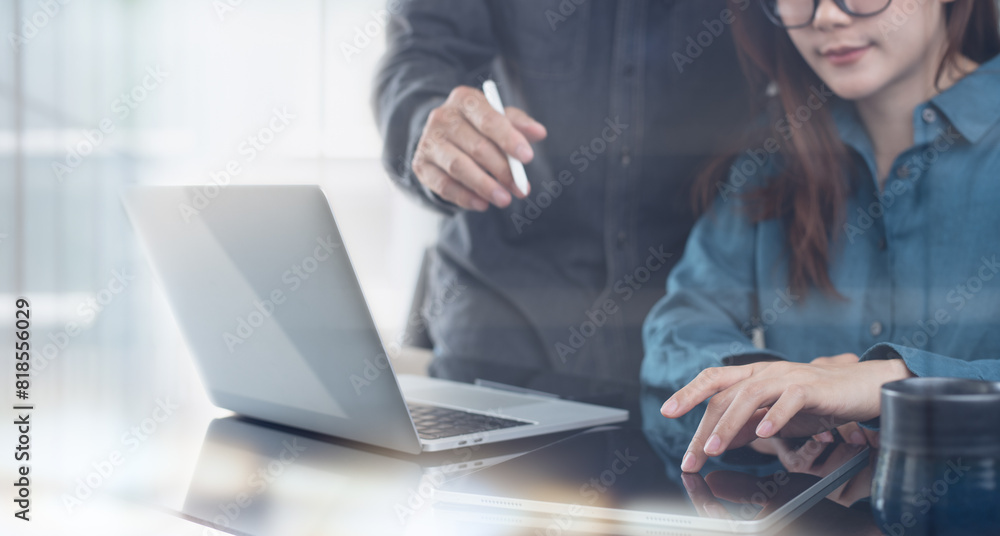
[
  {"x": 800, "y": 460},
  {"x": 872, "y": 437},
  {"x": 852, "y": 433},
  {"x": 695, "y": 457},
  {"x": 750, "y": 397},
  {"x": 707, "y": 383},
  {"x": 791, "y": 401},
  {"x": 824, "y": 437},
  {"x": 706, "y": 443},
  {"x": 702, "y": 498}
]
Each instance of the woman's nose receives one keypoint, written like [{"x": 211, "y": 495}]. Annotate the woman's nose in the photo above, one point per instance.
[{"x": 830, "y": 16}]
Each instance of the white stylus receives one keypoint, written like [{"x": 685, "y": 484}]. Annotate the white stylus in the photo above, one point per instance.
[{"x": 516, "y": 168}]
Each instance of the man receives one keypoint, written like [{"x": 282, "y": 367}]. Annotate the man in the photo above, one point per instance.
[{"x": 613, "y": 106}]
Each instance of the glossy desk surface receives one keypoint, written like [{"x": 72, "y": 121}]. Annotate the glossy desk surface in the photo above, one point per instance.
[{"x": 252, "y": 478}]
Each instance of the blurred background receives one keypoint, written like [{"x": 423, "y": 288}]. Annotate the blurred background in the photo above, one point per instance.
[{"x": 97, "y": 95}]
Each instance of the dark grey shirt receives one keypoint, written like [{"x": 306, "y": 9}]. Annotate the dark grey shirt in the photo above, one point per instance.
[{"x": 635, "y": 96}]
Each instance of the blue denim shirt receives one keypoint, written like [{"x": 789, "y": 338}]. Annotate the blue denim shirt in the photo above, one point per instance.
[
  {"x": 636, "y": 95},
  {"x": 918, "y": 263}
]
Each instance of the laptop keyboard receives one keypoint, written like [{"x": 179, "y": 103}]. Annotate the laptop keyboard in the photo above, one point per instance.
[{"x": 435, "y": 422}]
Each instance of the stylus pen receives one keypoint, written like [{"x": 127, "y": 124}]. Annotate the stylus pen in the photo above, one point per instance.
[{"x": 493, "y": 97}]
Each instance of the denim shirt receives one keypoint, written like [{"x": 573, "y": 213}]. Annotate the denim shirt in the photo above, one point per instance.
[
  {"x": 918, "y": 263},
  {"x": 635, "y": 95}
]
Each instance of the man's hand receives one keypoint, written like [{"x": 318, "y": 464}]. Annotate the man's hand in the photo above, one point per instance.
[{"x": 462, "y": 152}]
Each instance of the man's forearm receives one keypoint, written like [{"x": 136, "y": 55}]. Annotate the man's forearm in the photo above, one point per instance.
[{"x": 432, "y": 47}]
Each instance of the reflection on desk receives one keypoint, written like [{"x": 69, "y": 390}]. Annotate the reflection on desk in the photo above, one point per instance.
[
  {"x": 258, "y": 479},
  {"x": 610, "y": 481},
  {"x": 255, "y": 479}
]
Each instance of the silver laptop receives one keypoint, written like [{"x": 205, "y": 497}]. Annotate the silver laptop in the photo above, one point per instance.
[{"x": 263, "y": 289}]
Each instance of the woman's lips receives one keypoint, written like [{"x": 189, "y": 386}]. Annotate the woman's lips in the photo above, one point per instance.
[{"x": 845, "y": 55}]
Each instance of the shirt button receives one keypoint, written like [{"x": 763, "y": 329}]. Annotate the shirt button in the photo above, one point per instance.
[
  {"x": 621, "y": 239},
  {"x": 629, "y": 69},
  {"x": 903, "y": 171},
  {"x": 875, "y": 329},
  {"x": 626, "y": 157},
  {"x": 882, "y": 244},
  {"x": 929, "y": 115}
]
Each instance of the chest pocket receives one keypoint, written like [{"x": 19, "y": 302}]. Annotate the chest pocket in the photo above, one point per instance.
[{"x": 544, "y": 39}]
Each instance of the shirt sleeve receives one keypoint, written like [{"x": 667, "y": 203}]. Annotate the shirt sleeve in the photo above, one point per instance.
[
  {"x": 706, "y": 317},
  {"x": 928, "y": 364},
  {"x": 432, "y": 47}
]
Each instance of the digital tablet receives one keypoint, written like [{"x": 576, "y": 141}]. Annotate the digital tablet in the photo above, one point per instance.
[{"x": 611, "y": 478}]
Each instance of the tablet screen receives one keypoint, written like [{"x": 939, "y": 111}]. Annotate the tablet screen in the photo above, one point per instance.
[{"x": 613, "y": 473}]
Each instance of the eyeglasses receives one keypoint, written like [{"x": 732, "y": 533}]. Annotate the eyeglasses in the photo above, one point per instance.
[{"x": 791, "y": 14}]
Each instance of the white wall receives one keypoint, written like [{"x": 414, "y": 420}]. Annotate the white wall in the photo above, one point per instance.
[{"x": 225, "y": 73}]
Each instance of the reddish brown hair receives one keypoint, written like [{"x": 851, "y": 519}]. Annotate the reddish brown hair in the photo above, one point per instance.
[{"x": 810, "y": 192}]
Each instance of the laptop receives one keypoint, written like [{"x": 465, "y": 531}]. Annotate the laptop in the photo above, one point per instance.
[{"x": 261, "y": 284}]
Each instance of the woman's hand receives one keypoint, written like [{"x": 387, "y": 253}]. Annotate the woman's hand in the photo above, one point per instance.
[{"x": 767, "y": 398}]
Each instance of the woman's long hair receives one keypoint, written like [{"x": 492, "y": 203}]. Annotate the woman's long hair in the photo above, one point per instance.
[{"x": 810, "y": 193}]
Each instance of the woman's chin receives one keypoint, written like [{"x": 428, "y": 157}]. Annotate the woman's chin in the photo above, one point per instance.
[{"x": 853, "y": 89}]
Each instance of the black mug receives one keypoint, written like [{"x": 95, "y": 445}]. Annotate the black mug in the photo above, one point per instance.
[{"x": 938, "y": 470}]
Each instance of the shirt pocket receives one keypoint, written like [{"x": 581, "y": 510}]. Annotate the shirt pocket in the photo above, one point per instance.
[{"x": 545, "y": 39}]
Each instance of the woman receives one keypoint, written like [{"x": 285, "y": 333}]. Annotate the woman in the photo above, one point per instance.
[{"x": 865, "y": 223}]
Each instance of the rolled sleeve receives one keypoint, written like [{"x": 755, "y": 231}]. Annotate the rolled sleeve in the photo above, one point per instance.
[{"x": 928, "y": 364}]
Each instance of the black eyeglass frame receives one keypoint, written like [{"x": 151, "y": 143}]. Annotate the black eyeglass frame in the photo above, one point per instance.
[{"x": 842, "y": 4}]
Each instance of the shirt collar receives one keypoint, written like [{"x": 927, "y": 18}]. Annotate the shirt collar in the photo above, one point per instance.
[{"x": 971, "y": 106}]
